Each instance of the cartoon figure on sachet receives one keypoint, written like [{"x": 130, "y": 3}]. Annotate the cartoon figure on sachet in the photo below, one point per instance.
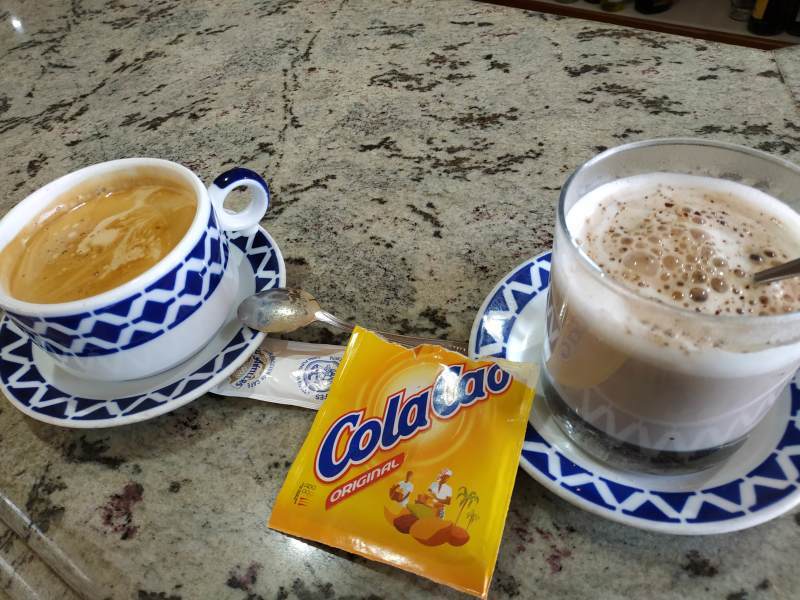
[
  {"x": 424, "y": 518},
  {"x": 400, "y": 492},
  {"x": 439, "y": 494}
]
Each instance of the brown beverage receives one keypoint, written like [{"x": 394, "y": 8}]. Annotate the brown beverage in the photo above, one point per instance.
[
  {"x": 97, "y": 236},
  {"x": 667, "y": 358}
]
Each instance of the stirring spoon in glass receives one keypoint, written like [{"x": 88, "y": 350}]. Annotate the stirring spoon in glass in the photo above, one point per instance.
[
  {"x": 281, "y": 310},
  {"x": 784, "y": 271}
]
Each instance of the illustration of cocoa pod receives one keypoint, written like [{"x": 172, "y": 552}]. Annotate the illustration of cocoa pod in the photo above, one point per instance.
[
  {"x": 458, "y": 536},
  {"x": 404, "y": 522},
  {"x": 431, "y": 531}
]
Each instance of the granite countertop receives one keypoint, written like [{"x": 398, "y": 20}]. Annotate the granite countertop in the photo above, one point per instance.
[{"x": 415, "y": 150}]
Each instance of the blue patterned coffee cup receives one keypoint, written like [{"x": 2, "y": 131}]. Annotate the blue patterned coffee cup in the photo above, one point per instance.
[{"x": 164, "y": 315}]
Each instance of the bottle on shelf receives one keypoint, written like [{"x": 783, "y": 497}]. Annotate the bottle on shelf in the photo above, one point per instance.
[
  {"x": 766, "y": 18},
  {"x": 613, "y": 5},
  {"x": 651, "y": 7},
  {"x": 793, "y": 19},
  {"x": 741, "y": 9}
]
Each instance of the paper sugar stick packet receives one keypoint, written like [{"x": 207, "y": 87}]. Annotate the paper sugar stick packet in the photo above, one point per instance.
[{"x": 285, "y": 373}]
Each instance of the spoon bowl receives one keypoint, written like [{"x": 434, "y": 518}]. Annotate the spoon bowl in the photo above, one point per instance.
[{"x": 279, "y": 310}]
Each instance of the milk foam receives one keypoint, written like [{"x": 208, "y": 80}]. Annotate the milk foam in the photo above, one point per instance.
[{"x": 691, "y": 242}]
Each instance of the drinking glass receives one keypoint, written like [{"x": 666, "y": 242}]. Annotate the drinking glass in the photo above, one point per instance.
[{"x": 614, "y": 386}]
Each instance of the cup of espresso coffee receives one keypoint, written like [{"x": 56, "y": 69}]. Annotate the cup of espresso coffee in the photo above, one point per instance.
[
  {"x": 661, "y": 353},
  {"x": 122, "y": 269}
]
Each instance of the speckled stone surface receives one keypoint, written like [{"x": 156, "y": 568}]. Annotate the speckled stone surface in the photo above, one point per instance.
[
  {"x": 789, "y": 67},
  {"x": 416, "y": 150}
]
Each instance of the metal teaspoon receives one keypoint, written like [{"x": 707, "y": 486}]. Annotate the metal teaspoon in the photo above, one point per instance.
[
  {"x": 281, "y": 310},
  {"x": 784, "y": 271}
]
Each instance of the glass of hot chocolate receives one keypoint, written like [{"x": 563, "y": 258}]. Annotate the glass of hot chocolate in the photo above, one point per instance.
[{"x": 661, "y": 354}]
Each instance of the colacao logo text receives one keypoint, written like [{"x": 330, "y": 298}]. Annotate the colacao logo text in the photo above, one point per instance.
[{"x": 352, "y": 439}]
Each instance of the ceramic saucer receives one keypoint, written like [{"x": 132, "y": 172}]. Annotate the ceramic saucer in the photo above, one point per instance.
[
  {"x": 759, "y": 482},
  {"x": 37, "y": 386}
]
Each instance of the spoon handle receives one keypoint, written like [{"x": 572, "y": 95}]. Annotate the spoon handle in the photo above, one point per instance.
[
  {"x": 404, "y": 340},
  {"x": 789, "y": 269}
]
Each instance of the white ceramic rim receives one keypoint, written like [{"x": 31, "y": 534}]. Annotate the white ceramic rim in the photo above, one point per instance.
[{"x": 33, "y": 205}]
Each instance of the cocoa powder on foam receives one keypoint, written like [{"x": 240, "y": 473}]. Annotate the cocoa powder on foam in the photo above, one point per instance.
[{"x": 691, "y": 242}]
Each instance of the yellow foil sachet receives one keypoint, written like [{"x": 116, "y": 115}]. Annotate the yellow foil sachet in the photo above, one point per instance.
[{"x": 411, "y": 460}]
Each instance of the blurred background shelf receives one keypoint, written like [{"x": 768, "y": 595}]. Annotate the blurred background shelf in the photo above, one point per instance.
[{"x": 703, "y": 19}]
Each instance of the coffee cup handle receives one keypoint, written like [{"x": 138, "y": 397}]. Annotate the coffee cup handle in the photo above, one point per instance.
[{"x": 259, "y": 201}]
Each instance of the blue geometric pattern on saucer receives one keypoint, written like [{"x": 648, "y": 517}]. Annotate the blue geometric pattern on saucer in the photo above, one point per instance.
[
  {"x": 774, "y": 479},
  {"x": 143, "y": 316},
  {"x": 24, "y": 384},
  {"x": 511, "y": 297}
]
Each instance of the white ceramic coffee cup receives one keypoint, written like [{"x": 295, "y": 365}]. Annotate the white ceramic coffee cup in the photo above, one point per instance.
[{"x": 164, "y": 315}]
